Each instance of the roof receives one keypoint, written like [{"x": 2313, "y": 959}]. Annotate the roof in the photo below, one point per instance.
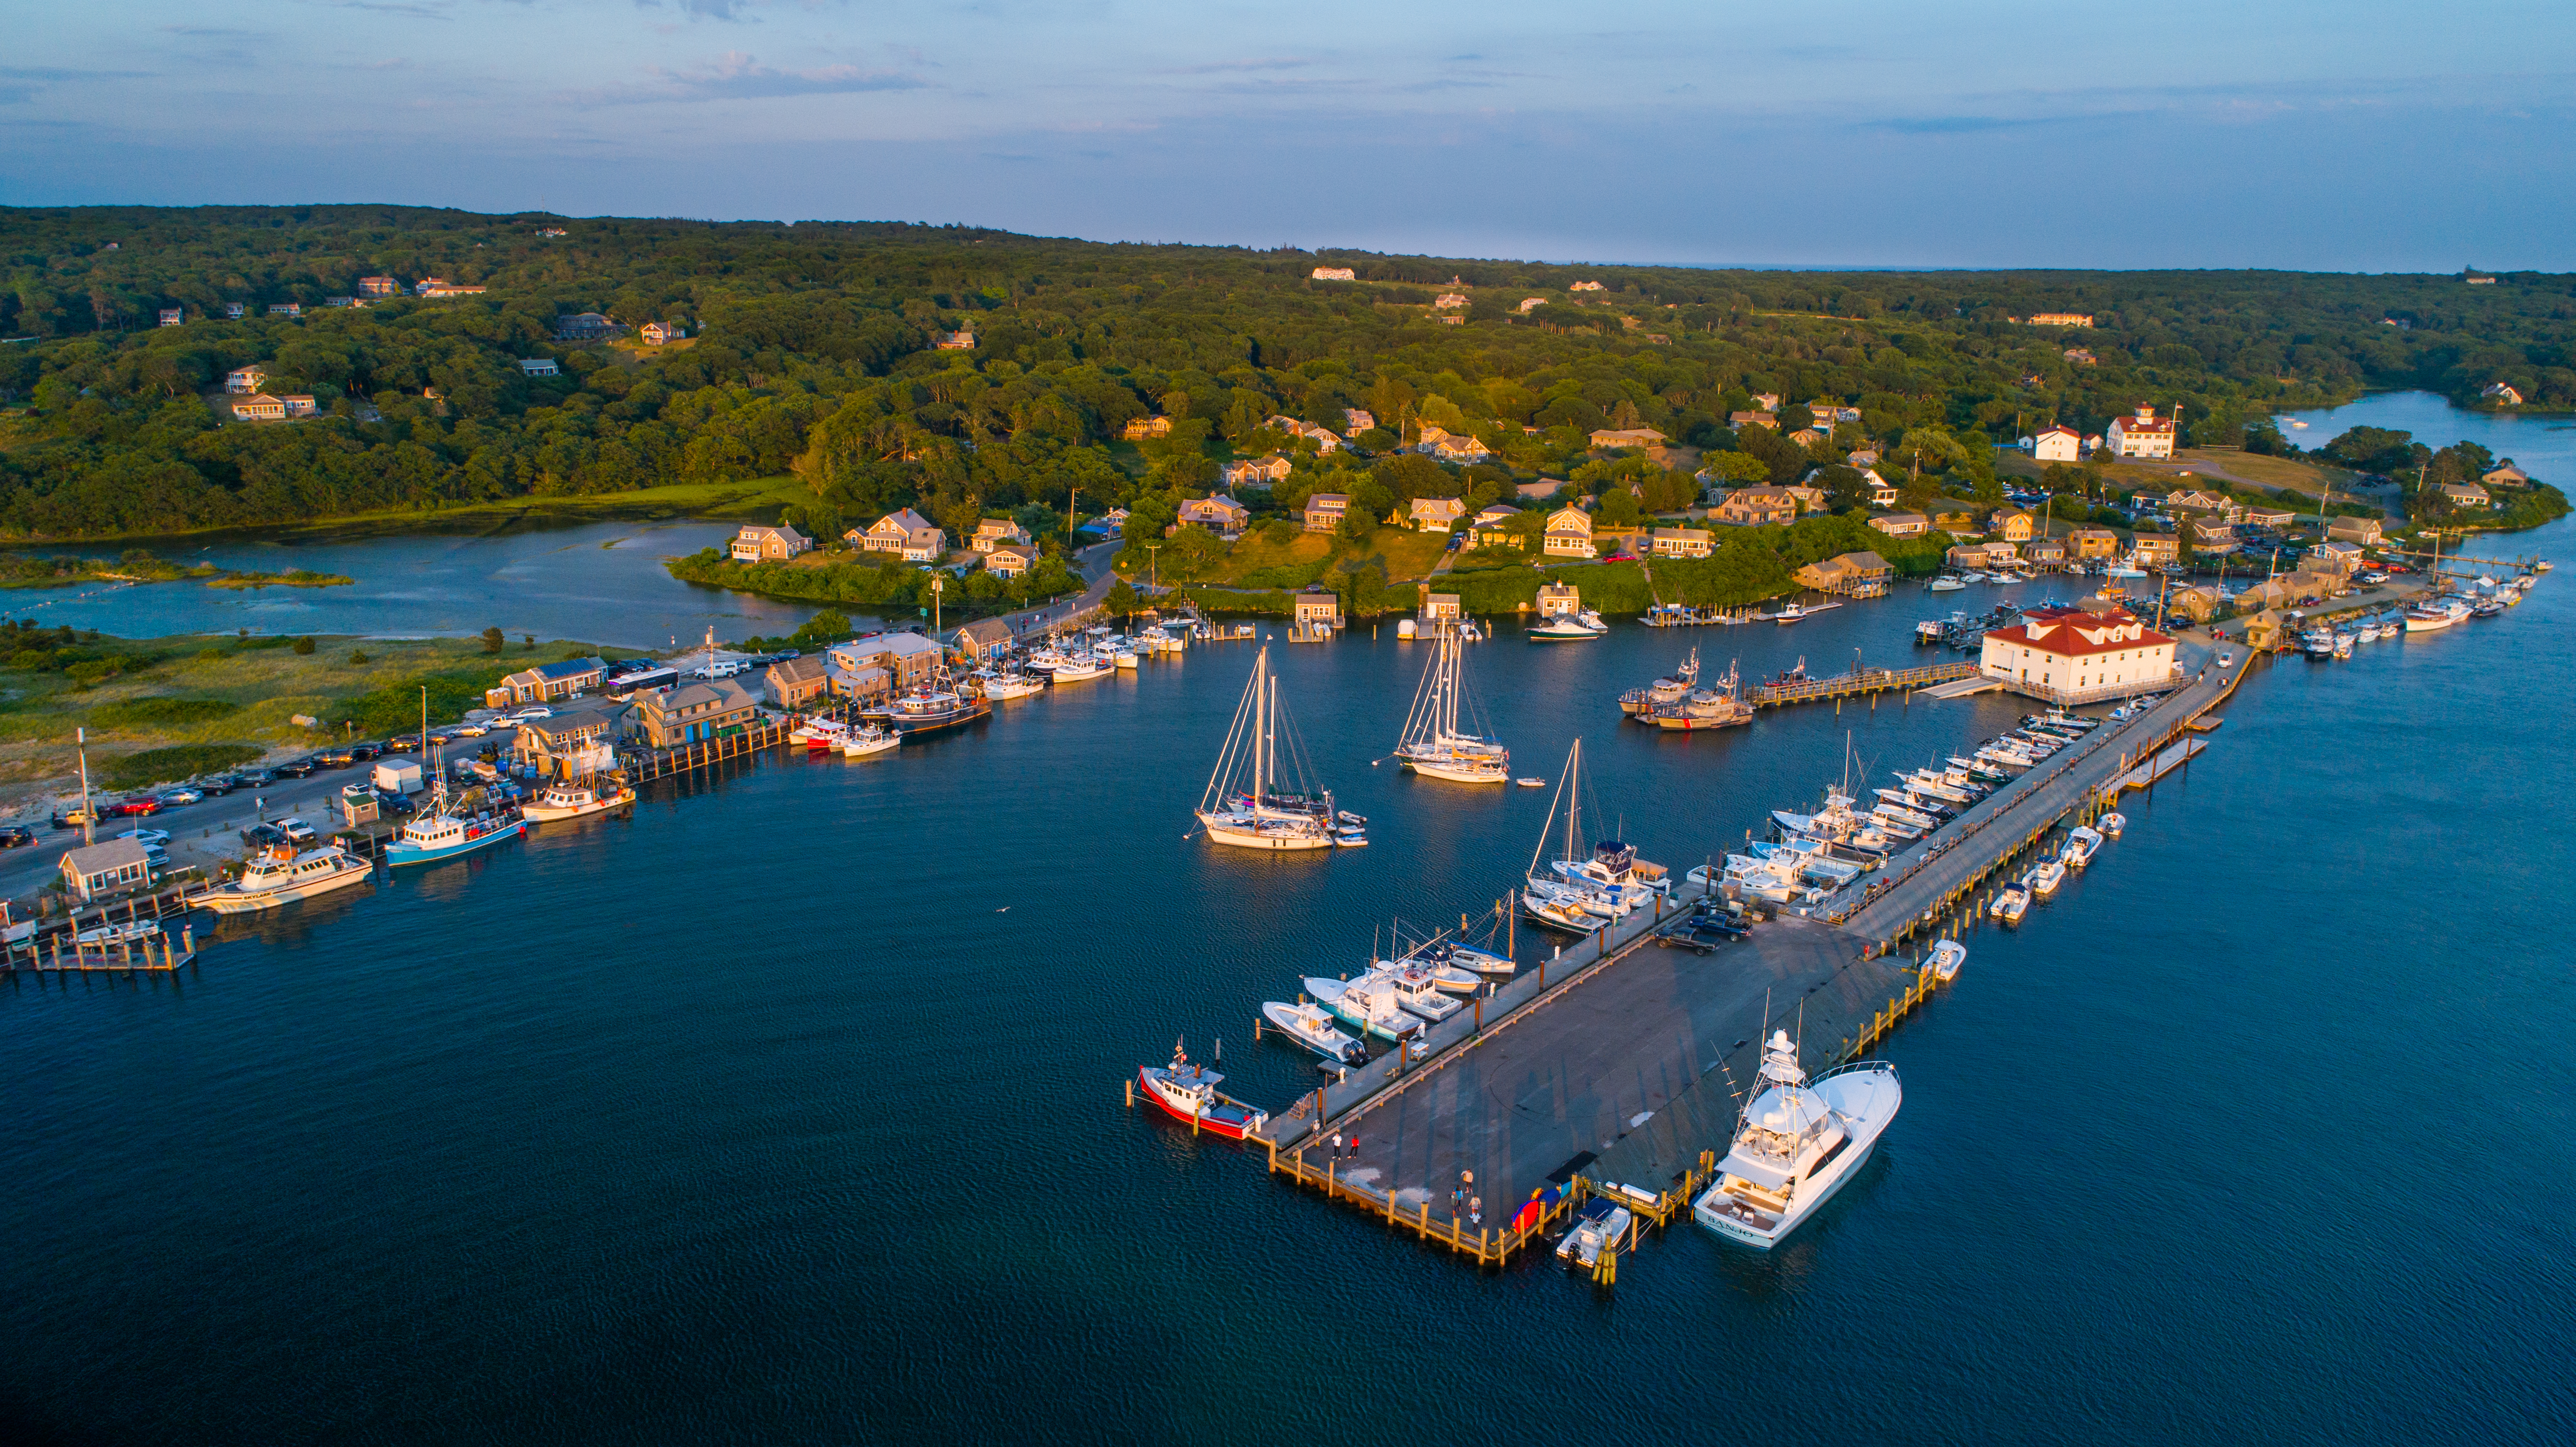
[
  {"x": 2058, "y": 429},
  {"x": 808, "y": 669},
  {"x": 104, "y": 858},
  {"x": 1700, "y": 533},
  {"x": 580, "y": 720},
  {"x": 901, "y": 645},
  {"x": 2079, "y": 632},
  {"x": 568, "y": 668},
  {"x": 723, "y": 693},
  {"x": 1638, "y": 436},
  {"x": 904, "y": 518},
  {"x": 985, "y": 630},
  {"x": 1328, "y": 499}
]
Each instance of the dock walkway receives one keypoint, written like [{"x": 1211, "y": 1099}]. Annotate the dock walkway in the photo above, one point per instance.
[{"x": 1857, "y": 683}]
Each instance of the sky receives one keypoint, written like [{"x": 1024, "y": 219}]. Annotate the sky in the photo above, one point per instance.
[{"x": 2361, "y": 135}]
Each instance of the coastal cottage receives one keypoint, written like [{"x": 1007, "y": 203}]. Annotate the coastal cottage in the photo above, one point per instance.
[
  {"x": 2080, "y": 356},
  {"x": 1757, "y": 506},
  {"x": 1140, "y": 429},
  {"x": 2044, "y": 552},
  {"x": 953, "y": 341},
  {"x": 2365, "y": 531},
  {"x": 1741, "y": 420},
  {"x": 1902, "y": 524},
  {"x": 262, "y": 408},
  {"x": 1010, "y": 560},
  {"x": 1569, "y": 533},
  {"x": 2463, "y": 494},
  {"x": 654, "y": 334},
  {"x": 539, "y": 367},
  {"x": 2158, "y": 549},
  {"x": 1356, "y": 420},
  {"x": 2057, "y": 444},
  {"x": 97, "y": 870},
  {"x": 2199, "y": 603},
  {"x": 1810, "y": 499},
  {"x": 908, "y": 659},
  {"x": 1492, "y": 528},
  {"x": 1850, "y": 575},
  {"x": 245, "y": 381},
  {"x": 1324, "y": 511},
  {"x": 1559, "y": 600},
  {"x": 2091, "y": 543},
  {"x": 2340, "y": 559},
  {"x": 2267, "y": 517},
  {"x": 2506, "y": 476},
  {"x": 985, "y": 639},
  {"x": 761, "y": 544},
  {"x": 2197, "y": 500},
  {"x": 1335, "y": 273},
  {"x": 172, "y": 316},
  {"x": 585, "y": 327},
  {"x": 1219, "y": 514},
  {"x": 1255, "y": 472},
  {"x": 991, "y": 533},
  {"x": 1621, "y": 438},
  {"x": 1440, "y": 607},
  {"x": 1968, "y": 555},
  {"x": 1456, "y": 447},
  {"x": 378, "y": 286},
  {"x": 2498, "y": 392},
  {"x": 2010, "y": 524},
  {"x": 903, "y": 532},
  {"x": 1314, "y": 608},
  {"x": 2061, "y": 319},
  {"x": 792, "y": 683},
  {"x": 1326, "y": 440},
  {"x": 2078, "y": 655},
  {"x": 550, "y": 681},
  {"x": 696, "y": 712},
  {"x": 2208, "y": 536},
  {"x": 567, "y": 746},
  {"x": 1436, "y": 514},
  {"x": 1882, "y": 493},
  {"x": 1682, "y": 542}
]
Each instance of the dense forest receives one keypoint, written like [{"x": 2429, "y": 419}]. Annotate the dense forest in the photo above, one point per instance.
[{"x": 811, "y": 352}]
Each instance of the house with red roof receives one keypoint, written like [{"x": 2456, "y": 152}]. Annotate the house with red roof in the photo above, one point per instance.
[{"x": 2082, "y": 654}]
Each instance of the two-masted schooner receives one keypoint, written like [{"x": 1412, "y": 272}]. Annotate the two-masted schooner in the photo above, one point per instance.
[
  {"x": 1433, "y": 744},
  {"x": 1248, "y": 802}
]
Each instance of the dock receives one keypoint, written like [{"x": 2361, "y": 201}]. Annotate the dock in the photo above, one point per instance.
[
  {"x": 54, "y": 949},
  {"x": 1962, "y": 687},
  {"x": 2165, "y": 762},
  {"x": 1858, "y": 683},
  {"x": 643, "y": 766}
]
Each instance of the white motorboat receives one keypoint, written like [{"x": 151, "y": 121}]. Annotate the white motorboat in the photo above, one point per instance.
[
  {"x": 1245, "y": 804},
  {"x": 1600, "y": 1226},
  {"x": 280, "y": 874},
  {"x": 1530, "y": 783},
  {"x": 2081, "y": 841},
  {"x": 1417, "y": 991},
  {"x": 1578, "y": 627},
  {"x": 1557, "y": 909},
  {"x": 574, "y": 798},
  {"x": 1367, "y": 1004},
  {"x": 2046, "y": 876},
  {"x": 2011, "y": 903},
  {"x": 1947, "y": 583},
  {"x": 2112, "y": 823},
  {"x": 1797, "y": 1143},
  {"x": 107, "y": 936},
  {"x": 1433, "y": 743},
  {"x": 1079, "y": 667},
  {"x": 1446, "y": 976},
  {"x": 1002, "y": 686},
  {"x": 859, "y": 743},
  {"x": 1313, "y": 1028},
  {"x": 1947, "y": 957}
]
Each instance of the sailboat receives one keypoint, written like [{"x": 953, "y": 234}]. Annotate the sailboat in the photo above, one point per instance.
[
  {"x": 440, "y": 832},
  {"x": 1243, "y": 805},
  {"x": 1605, "y": 882},
  {"x": 1432, "y": 744}
]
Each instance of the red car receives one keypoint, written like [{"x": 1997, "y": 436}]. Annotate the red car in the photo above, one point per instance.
[{"x": 140, "y": 804}]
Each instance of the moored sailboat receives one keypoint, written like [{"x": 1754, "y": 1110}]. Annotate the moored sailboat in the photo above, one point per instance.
[
  {"x": 1433, "y": 744},
  {"x": 1244, "y": 804}
]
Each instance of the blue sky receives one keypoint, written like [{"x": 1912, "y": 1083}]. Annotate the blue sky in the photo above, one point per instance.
[{"x": 2360, "y": 135}]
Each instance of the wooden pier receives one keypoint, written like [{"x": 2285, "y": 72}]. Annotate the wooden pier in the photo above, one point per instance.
[
  {"x": 643, "y": 767},
  {"x": 1857, "y": 683},
  {"x": 54, "y": 947},
  {"x": 2172, "y": 757}
]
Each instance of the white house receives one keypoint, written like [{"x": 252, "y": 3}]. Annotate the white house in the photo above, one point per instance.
[
  {"x": 1435, "y": 514},
  {"x": 1569, "y": 533},
  {"x": 904, "y": 532},
  {"x": 1335, "y": 273},
  {"x": 2059, "y": 443},
  {"x": 539, "y": 367},
  {"x": 2079, "y": 655},
  {"x": 2141, "y": 435}
]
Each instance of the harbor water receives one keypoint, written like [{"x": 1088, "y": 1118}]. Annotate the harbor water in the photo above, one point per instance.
[{"x": 789, "y": 1110}]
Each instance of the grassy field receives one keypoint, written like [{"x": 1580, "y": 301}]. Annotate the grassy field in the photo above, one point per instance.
[{"x": 205, "y": 692}]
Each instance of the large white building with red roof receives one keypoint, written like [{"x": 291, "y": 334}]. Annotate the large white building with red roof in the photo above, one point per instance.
[
  {"x": 2143, "y": 435},
  {"x": 2079, "y": 655}
]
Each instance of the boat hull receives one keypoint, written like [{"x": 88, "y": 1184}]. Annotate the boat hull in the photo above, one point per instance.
[
  {"x": 543, "y": 813},
  {"x": 251, "y": 902},
  {"x": 400, "y": 853},
  {"x": 1213, "y": 1122},
  {"x": 1239, "y": 836}
]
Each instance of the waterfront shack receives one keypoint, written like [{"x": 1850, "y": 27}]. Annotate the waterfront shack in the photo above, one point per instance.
[
  {"x": 985, "y": 639},
  {"x": 546, "y": 682},
  {"x": 97, "y": 870},
  {"x": 908, "y": 659},
  {"x": 696, "y": 713},
  {"x": 567, "y": 746}
]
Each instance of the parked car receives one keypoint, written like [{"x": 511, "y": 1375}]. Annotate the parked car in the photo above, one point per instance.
[
  {"x": 253, "y": 778},
  {"x": 138, "y": 805},
  {"x": 156, "y": 857},
  {"x": 175, "y": 798},
  {"x": 148, "y": 836},
  {"x": 260, "y": 836},
  {"x": 295, "y": 769},
  {"x": 362, "y": 753},
  {"x": 217, "y": 784},
  {"x": 15, "y": 835},
  {"x": 537, "y": 710},
  {"x": 469, "y": 731},
  {"x": 336, "y": 758},
  {"x": 403, "y": 743},
  {"x": 296, "y": 830},
  {"x": 389, "y": 801}
]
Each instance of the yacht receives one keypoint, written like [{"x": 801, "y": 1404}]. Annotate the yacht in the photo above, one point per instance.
[
  {"x": 1948, "y": 583},
  {"x": 1001, "y": 686},
  {"x": 1244, "y": 804},
  {"x": 279, "y": 874},
  {"x": 1432, "y": 744},
  {"x": 1313, "y": 1028},
  {"x": 1079, "y": 667},
  {"x": 571, "y": 799},
  {"x": 1797, "y": 1142},
  {"x": 2081, "y": 841},
  {"x": 2046, "y": 876},
  {"x": 2011, "y": 903},
  {"x": 1579, "y": 627},
  {"x": 1368, "y": 1004}
]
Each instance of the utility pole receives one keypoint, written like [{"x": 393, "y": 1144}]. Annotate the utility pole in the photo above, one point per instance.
[
  {"x": 81, "y": 737},
  {"x": 1154, "y": 552}
]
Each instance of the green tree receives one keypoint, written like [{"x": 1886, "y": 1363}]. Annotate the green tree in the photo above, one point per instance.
[
  {"x": 493, "y": 639},
  {"x": 1737, "y": 469},
  {"x": 304, "y": 645},
  {"x": 1122, "y": 599}
]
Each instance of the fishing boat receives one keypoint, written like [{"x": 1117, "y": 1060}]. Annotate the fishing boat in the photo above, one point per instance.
[
  {"x": 574, "y": 798},
  {"x": 1947, "y": 583},
  {"x": 1003, "y": 686},
  {"x": 1722, "y": 707},
  {"x": 1947, "y": 957},
  {"x": 2113, "y": 823},
  {"x": 1188, "y": 1092},
  {"x": 1433, "y": 744},
  {"x": 1367, "y": 1004},
  {"x": 2081, "y": 842},
  {"x": 2011, "y": 903},
  {"x": 1599, "y": 1226},
  {"x": 927, "y": 710},
  {"x": 1418, "y": 990},
  {"x": 1083, "y": 666},
  {"x": 1527, "y": 782},
  {"x": 280, "y": 874},
  {"x": 1797, "y": 1143},
  {"x": 867, "y": 739},
  {"x": 1639, "y": 702},
  {"x": 2046, "y": 876},
  {"x": 445, "y": 830},
  {"x": 1313, "y": 1028},
  {"x": 1243, "y": 804},
  {"x": 1578, "y": 627}
]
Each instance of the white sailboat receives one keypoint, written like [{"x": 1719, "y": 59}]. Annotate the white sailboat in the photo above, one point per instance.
[
  {"x": 1432, "y": 744},
  {"x": 1244, "y": 804},
  {"x": 1797, "y": 1143},
  {"x": 1604, "y": 885}
]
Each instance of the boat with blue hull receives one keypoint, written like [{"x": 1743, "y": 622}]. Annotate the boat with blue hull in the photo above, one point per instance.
[{"x": 444, "y": 830}]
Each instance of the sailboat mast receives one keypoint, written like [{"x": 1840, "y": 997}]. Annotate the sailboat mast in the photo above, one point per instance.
[{"x": 1267, "y": 701}]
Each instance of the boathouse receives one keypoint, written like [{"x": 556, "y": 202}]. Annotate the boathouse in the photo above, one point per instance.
[
  {"x": 1851, "y": 575},
  {"x": 791, "y": 683},
  {"x": 566, "y": 746},
  {"x": 1559, "y": 600},
  {"x": 985, "y": 639},
  {"x": 546, "y": 682},
  {"x": 103, "y": 869},
  {"x": 696, "y": 713},
  {"x": 908, "y": 658},
  {"x": 1317, "y": 609}
]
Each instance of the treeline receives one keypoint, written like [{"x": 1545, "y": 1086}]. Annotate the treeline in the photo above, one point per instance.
[{"x": 812, "y": 354}]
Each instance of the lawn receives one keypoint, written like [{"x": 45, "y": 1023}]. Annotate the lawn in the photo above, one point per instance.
[{"x": 206, "y": 691}]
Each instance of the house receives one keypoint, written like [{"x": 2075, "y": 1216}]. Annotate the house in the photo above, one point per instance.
[
  {"x": 2196, "y": 500},
  {"x": 1440, "y": 607},
  {"x": 435, "y": 288},
  {"x": 1254, "y": 472},
  {"x": 792, "y": 683},
  {"x": 1682, "y": 543},
  {"x": 907, "y": 659},
  {"x": 1139, "y": 429},
  {"x": 2199, "y": 603},
  {"x": 1355, "y": 421},
  {"x": 2160, "y": 549},
  {"x": 1315, "y": 608},
  {"x": 1975, "y": 555},
  {"x": 243, "y": 381},
  {"x": 2463, "y": 494},
  {"x": 953, "y": 341},
  {"x": 1758, "y": 506},
  {"x": 1325, "y": 439},
  {"x": 985, "y": 639},
  {"x": 2479, "y": 279},
  {"x": 760, "y": 544},
  {"x": 2365, "y": 531},
  {"x": 232, "y": 311},
  {"x": 1559, "y": 600},
  {"x": 2045, "y": 553},
  {"x": 1741, "y": 420},
  {"x": 2502, "y": 395},
  {"x": 991, "y": 533},
  {"x": 172, "y": 316},
  {"x": 378, "y": 286},
  {"x": 1539, "y": 491},
  {"x": 2506, "y": 476},
  {"x": 550, "y": 681},
  {"x": 903, "y": 532},
  {"x": 2341, "y": 559},
  {"x": 1586, "y": 286},
  {"x": 1219, "y": 514},
  {"x": 1882, "y": 493},
  {"x": 1863, "y": 458},
  {"x": 1436, "y": 514},
  {"x": 2058, "y": 443},
  {"x": 262, "y": 408},
  {"x": 1902, "y": 524},
  {"x": 2210, "y": 536},
  {"x": 286, "y": 309},
  {"x": 2079, "y": 356},
  {"x": 1810, "y": 499},
  {"x": 1492, "y": 527},
  {"x": 2094, "y": 543},
  {"x": 1334, "y": 273},
  {"x": 2266, "y": 517},
  {"x": 1850, "y": 575},
  {"x": 654, "y": 334},
  {"x": 1569, "y": 533},
  {"x": 2010, "y": 524},
  {"x": 1531, "y": 303},
  {"x": 1324, "y": 511},
  {"x": 585, "y": 327},
  {"x": 299, "y": 404},
  {"x": 1456, "y": 447},
  {"x": 102, "y": 869},
  {"x": 1010, "y": 560},
  {"x": 1620, "y": 438},
  {"x": 2078, "y": 655},
  {"x": 1807, "y": 437},
  {"x": 567, "y": 746},
  {"x": 539, "y": 367},
  {"x": 694, "y": 713},
  {"x": 1448, "y": 301},
  {"x": 2142, "y": 434},
  {"x": 1955, "y": 523},
  {"x": 2061, "y": 319}
]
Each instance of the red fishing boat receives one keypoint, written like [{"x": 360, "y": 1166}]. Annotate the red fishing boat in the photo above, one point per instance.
[{"x": 1188, "y": 1093}]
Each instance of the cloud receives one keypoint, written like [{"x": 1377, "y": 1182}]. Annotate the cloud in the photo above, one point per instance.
[
  {"x": 1226, "y": 67},
  {"x": 1947, "y": 125},
  {"x": 738, "y": 76},
  {"x": 212, "y": 32},
  {"x": 735, "y": 10},
  {"x": 49, "y": 72},
  {"x": 423, "y": 10}
]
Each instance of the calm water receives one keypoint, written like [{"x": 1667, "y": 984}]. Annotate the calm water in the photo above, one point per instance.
[
  {"x": 2545, "y": 446},
  {"x": 597, "y": 582},
  {"x": 789, "y": 1110}
]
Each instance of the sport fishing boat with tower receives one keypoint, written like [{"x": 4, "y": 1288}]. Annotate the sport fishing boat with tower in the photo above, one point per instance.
[
  {"x": 1797, "y": 1142},
  {"x": 1246, "y": 804},
  {"x": 1433, "y": 743}
]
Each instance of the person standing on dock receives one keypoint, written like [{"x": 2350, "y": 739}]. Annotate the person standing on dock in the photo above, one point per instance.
[
  {"x": 1475, "y": 1210},
  {"x": 1337, "y": 1145}
]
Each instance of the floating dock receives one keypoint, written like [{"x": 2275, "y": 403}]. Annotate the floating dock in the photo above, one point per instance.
[{"x": 2165, "y": 762}]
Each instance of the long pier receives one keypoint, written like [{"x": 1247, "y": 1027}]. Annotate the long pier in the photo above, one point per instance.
[{"x": 1857, "y": 683}]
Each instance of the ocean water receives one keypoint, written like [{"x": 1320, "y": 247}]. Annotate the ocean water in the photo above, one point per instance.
[{"x": 789, "y": 1109}]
